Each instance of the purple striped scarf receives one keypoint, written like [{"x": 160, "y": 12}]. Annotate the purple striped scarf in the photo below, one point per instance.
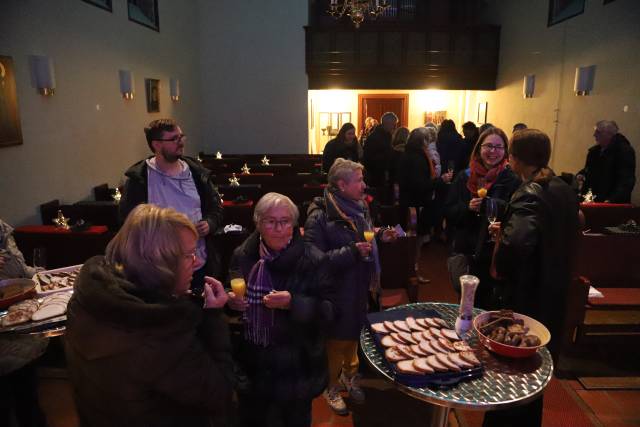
[{"x": 260, "y": 319}]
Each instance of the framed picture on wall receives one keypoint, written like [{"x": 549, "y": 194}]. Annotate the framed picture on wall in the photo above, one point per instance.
[
  {"x": 435, "y": 117},
  {"x": 144, "y": 12},
  {"x": 10, "y": 129},
  {"x": 330, "y": 123},
  {"x": 561, "y": 10},
  {"x": 102, "y": 4},
  {"x": 482, "y": 113},
  {"x": 152, "y": 88}
]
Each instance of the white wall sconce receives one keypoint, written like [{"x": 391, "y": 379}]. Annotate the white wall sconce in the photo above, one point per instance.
[
  {"x": 126, "y": 84},
  {"x": 45, "y": 78},
  {"x": 585, "y": 77},
  {"x": 529, "y": 85},
  {"x": 174, "y": 89}
]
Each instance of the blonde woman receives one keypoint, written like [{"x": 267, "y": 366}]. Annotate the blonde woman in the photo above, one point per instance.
[{"x": 140, "y": 348}]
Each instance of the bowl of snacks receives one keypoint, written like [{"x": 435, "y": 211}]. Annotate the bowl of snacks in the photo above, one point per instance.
[
  {"x": 15, "y": 290},
  {"x": 511, "y": 334}
]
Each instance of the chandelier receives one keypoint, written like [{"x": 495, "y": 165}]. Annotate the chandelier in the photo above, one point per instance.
[{"x": 357, "y": 10}]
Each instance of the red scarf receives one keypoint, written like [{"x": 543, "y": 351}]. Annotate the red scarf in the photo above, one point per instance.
[{"x": 478, "y": 171}]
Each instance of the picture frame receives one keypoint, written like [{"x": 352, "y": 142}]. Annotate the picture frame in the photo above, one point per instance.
[
  {"x": 102, "y": 4},
  {"x": 10, "y": 128},
  {"x": 330, "y": 123},
  {"x": 482, "y": 113},
  {"x": 144, "y": 12},
  {"x": 152, "y": 89},
  {"x": 561, "y": 10},
  {"x": 435, "y": 117}
]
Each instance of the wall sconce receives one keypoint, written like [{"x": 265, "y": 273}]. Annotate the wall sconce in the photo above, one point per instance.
[
  {"x": 126, "y": 84},
  {"x": 45, "y": 78},
  {"x": 529, "y": 85},
  {"x": 583, "y": 83},
  {"x": 174, "y": 89}
]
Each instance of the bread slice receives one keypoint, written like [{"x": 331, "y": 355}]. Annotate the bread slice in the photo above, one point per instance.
[
  {"x": 406, "y": 336},
  {"x": 16, "y": 317},
  {"x": 399, "y": 339},
  {"x": 426, "y": 347},
  {"x": 401, "y": 325},
  {"x": 435, "y": 344},
  {"x": 455, "y": 358},
  {"x": 422, "y": 321},
  {"x": 444, "y": 359},
  {"x": 388, "y": 341},
  {"x": 469, "y": 356},
  {"x": 419, "y": 351},
  {"x": 428, "y": 335},
  {"x": 418, "y": 336},
  {"x": 413, "y": 325},
  {"x": 47, "y": 311},
  {"x": 390, "y": 326},
  {"x": 435, "y": 364},
  {"x": 406, "y": 350},
  {"x": 406, "y": 367},
  {"x": 461, "y": 346},
  {"x": 436, "y": 332},
  {"x": 423, "y": 366},
  {"x": 446, "y": 344},
  {"x": 379, "y": 328},
  {"x": 440, "y": 322},
  {"x": 393, "y": 355},
  {"x": 449, "y": 333},
  {"x": 432, "y": 322}
]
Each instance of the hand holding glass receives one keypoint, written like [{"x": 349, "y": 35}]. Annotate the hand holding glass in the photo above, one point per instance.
[
  {"x": 369, "y": 235},
  {"x": 239, "y": 287}
]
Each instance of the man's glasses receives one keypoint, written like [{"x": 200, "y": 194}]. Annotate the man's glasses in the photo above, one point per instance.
[
  {"x": 271, "y": 223},
  {"x": 489, "y": 147},
  {"x": 175, "y": 139}
]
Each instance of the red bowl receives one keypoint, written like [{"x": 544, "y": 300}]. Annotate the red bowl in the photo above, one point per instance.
[
  {"x": 26, "y": 289},
  {"x": 535, "y": 328}
]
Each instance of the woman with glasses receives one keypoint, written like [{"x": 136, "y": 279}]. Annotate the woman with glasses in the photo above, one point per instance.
[
  {"x": 488, "y": 179},
  {"x": 282, "y": 351},
  {"x": 141, "y": 350},
  {"x": 340, "y": 226}
]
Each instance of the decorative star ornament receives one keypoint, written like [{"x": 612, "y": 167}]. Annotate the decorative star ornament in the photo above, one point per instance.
[
  {"x": 265, "y": 161},
  {"x": 61, "y": 222},
  {"x": 589, "y": 197},
  {"x": 234, "y": 181},
  {"x": 246, "y": 170},
  {"x": 218, "y": 155},
  {"x": 117, "y": 196}
]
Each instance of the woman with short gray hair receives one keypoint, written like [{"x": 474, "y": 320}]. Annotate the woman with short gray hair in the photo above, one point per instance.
[
  {"x": 282, "y": 350},
  {"x": 339, "y": 224}
]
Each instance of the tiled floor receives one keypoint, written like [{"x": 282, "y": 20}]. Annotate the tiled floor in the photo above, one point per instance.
[{"x": 387, "y": 407}]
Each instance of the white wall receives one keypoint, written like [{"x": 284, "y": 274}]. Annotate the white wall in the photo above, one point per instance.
[
  {"x": 607, "y": 36},
  {"x": 69, "y": 145},
  {"x": 254, "y": 84}
]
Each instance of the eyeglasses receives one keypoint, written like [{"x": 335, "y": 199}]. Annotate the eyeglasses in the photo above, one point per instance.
[
  {"x": 271, "y": 223},
  {"x": 191, "y": 256},
  {"x": 490, "y": 147},
  {"x": 175, "y": 139}
]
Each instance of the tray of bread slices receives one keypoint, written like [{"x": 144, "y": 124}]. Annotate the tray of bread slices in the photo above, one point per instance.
[
  {"x": 422, "y": 349},
  {"x": 35, "y": 314},
  {"x": 52, "y": 281}
]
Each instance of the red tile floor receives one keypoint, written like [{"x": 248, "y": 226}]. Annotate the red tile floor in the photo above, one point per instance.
[{"x": 567, "y": 403}]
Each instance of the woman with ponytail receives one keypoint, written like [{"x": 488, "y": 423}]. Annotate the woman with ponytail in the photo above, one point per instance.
[{"x": 534, "y": 245}]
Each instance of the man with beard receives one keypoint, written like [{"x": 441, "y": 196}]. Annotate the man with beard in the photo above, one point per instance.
[{"x": 169, "y": 179}]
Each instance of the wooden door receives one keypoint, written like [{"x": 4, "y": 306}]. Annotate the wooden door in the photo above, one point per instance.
[{"x": 375, "y": 105}]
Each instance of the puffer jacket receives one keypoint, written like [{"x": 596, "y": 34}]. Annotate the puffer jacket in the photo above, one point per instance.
[
  {"x": 139, "y": 357},
  {"x": 294, "y": 365}
]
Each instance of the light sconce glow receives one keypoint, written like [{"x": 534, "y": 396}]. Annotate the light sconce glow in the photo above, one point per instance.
[
  {"x": 333, "y": 100},
  {"x": 433, "y": 100},
  {"x": 45, "y": 78},
  {"x": 529, "y": 85},
  {"x": 126, "y": 84},
  {"x": 174, "y": 89},
  {"x": 585, "y": 77}
]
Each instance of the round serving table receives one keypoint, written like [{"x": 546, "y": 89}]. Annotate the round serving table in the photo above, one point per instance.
[{"x": 505, "y": 382}]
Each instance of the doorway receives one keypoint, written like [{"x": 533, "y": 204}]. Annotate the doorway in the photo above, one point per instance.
[{"x": 375, "y": 105}]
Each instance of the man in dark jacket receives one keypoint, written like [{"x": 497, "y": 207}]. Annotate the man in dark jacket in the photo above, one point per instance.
[
  {"x": 610, "y": 170},
  {"x": 377, "y": 151},
  {"x": 170, "y": 180}
]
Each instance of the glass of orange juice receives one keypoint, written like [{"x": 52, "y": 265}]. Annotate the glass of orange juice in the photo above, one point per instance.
[
  {"x": 368, "y": 236},
  {"x": 239, "y": 287}
]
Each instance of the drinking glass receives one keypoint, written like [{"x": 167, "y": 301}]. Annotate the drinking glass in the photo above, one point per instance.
[
  {"x": 239, "y": 287},
  {"x": 40, "y": 258},
  {"x": 491, "y": 209},
  {"x": 368, "y": 236}
]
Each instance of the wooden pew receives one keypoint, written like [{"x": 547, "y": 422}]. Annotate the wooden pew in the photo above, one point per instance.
[{"x": 600, "y": 215}]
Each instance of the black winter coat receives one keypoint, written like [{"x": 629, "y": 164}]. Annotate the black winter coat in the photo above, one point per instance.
[
  {"x": 376, "y": 157},
  {"x": 414, "y": 178},
  {"x": 136, "y": 192},
  {"x": 611, "y": 174},
  {"x": 539, "y": 233},
  {"x": 452, "y": 149},
  {"x": 339, "y": 149},
  {"x": 137, "y": 357},
  {"x": 294, "y": 365},
  {"x": 351, "y": 274},
  {"x": 469, "y": 230}
]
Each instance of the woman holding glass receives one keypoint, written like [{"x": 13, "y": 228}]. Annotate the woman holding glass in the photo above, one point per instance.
[
  {"x": 477, "y": 193},
  {"x": 282, "y": 351},
  {"x": 141, "y": 349},
  {"x": 336, "y": 225}
]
